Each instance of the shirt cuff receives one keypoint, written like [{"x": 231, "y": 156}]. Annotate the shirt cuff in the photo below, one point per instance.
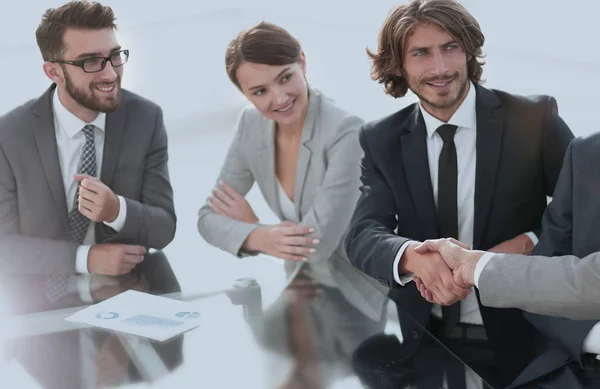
[
  {"x": 533, "y": 237},
  {"x": 81, "y": 259},
  {"x": 591, "y": 343},
  {"x": 404, "y": 278},
  {"x": 119, "y": 222},
  {"x": 485, "y": 258},
  {"x": 84, "y": 286}
]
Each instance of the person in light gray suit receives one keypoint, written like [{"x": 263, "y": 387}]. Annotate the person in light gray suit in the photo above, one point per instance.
[
  {"x": 569, "y": 231},
  {"x": 565, "y": 286},
  {"x": 83, "y": 168},
  {"x": 302, "y": 150}
]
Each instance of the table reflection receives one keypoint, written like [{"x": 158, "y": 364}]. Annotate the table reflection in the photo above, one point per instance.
[
  {"x": 309, "y": 333},
  {"x": 315, "y": 338},
  {"x": 384, "y": 361},
  {"x": 88, "y": 357},
  {"x": 314, "y": 335}
]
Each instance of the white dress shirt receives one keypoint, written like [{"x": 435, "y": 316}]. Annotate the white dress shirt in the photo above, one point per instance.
[
  {"x": 591, "y": 343},
  {"x": 318, "y": 270},
  {"x": 465, "y": 118},
  {"x": 70, "y": 141}
]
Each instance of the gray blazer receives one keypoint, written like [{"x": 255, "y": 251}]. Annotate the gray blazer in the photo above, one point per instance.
[
  {"x": 34, "y": 221},
  {"x": 325, "y": 191},
  {"x": 569, "y": 230},
  {"x": 556, "y": 286}
]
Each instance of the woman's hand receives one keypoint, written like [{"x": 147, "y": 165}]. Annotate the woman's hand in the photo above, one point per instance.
[
  {"x": 285, "y": 240},
  {"x": 227, "y": 202}
]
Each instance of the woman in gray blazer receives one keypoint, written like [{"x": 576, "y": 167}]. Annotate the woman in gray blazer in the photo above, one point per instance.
[{"x": 303, "y": 152}]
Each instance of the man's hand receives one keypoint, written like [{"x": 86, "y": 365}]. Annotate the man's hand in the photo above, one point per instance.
[
  {"x": 459, "y": 259},
  {"x": 227, "y": 202},
  {"x": 97, "y": 201},
  {"x": 114, "y": 259},
  {"x": 520, "y": 244},
  {"x": 433, "y": 272},
  {"x": 285, "y": 240}
]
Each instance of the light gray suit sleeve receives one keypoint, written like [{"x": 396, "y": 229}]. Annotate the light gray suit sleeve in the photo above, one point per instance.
[
  {"x": 151, "y": 222},
  {"x": 336, "y": 197},
  {"x": 25, "y": 254},
  {"x": 221, "y": 231},
  {"x": 563, "y": 286}
]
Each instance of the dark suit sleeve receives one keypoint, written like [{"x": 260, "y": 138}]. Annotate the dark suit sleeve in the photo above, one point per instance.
[
  {"x": 151, "y": 221},
  {"x": 24, "y": 254},
  {"x": 556, "y": 137},
  {"x": 371, "y": 243},
  {"x": 556, "y": 240}
]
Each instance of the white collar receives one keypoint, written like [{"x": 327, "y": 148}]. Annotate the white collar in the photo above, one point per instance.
[
  {"x": 70, "y": 123},
  {"x": 465, "y": 116}
]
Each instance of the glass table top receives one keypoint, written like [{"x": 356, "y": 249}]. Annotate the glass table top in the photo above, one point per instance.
[{"x": 307, "y": 335}]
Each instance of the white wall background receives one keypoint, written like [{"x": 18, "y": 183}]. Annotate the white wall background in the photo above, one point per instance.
[{"x": 533, "y": 46}]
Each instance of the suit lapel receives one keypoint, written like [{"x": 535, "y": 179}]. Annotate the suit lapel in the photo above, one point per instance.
[
  {"x": 305, "y": 151},
  {"x": 45, "y": 139},
  {"x": 113, "y": 139},
  {"x": 266, "y": 163},
  {"x": 416, "y": 168},
  {"x": 490, "y": 117}
]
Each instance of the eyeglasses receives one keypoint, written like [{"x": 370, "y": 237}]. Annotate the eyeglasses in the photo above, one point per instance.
[{"x": 97, "y": 64}]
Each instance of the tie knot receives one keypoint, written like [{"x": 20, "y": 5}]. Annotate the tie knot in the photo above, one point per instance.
[
  {"x": 447, "y": 132},
  {"x": 88, "y": 131}
]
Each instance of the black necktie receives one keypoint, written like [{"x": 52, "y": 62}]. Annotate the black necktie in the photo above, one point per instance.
[{"x": 447, "y": 209}]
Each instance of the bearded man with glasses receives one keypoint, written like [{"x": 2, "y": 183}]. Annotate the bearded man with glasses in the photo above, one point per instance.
[{"x": 84, "y": 182}]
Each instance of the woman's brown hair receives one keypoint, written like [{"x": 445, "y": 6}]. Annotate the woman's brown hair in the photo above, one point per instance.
[{"x": 264, "y": 43}]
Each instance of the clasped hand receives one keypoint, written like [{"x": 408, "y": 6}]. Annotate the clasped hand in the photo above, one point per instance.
[
  {"x": 433, "y": 276},
  {"x": 96, "y": 201},
  {"x": 453, "y": 282},
  {"x": 455, "y": 261},
  {"x": 286, "y": 240}
]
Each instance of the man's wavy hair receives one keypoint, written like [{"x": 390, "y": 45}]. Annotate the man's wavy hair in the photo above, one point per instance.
[{"x": 450, "y": 15}]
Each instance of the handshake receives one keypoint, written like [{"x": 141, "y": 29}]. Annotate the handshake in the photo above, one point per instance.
[{"x": 444, "y": 269}]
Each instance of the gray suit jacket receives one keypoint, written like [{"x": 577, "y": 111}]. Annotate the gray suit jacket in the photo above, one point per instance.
[
  {"x": 325, "y": 191},
  {"x": 34, "y": 222},
  {"x": 558, "y": 286},
  {"x": 570, "y": 227}
]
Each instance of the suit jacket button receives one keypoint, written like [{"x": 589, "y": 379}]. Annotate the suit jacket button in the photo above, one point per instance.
[{"x": 414, "y": 334}]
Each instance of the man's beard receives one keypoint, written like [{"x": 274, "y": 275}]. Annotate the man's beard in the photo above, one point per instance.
[
  {"x": 444, "y": 104},
  {"x": 89, "y": 100}
]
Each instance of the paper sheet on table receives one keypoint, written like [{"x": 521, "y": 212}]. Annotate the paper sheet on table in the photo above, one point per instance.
[{"x": 141, "y": 314}]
